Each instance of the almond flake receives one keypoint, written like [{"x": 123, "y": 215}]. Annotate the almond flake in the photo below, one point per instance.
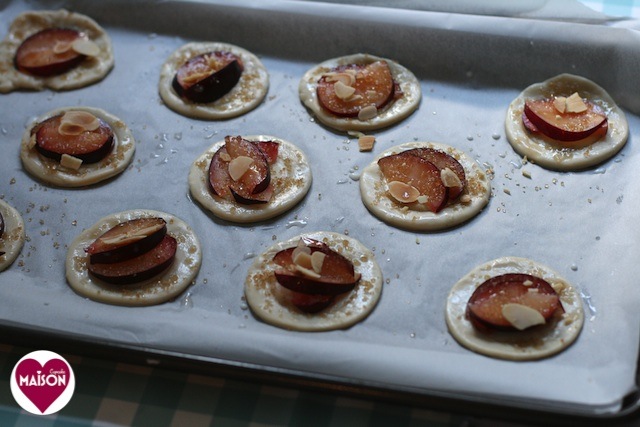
[
  {"x": 134, "y": 236},
  {"x": 301, "y": 248},
  {"x": 560, "y": 102},
  {"x": 365, "y": 142},
  {"x": 465, "y": 199},
  {"x": 402, "y": 192},
  {"x": 317, "y": 259},
  {"x": 214, "y": 63},
  {"x": 77, "y": 122},
  {"x": 343, "y": 91},
  {"x": 148, "y": 231},
  {"x": 302, "y": 259},
  {"x": 196, "y": 77},
  {"x": 522, "y": 316},
  {"x": 575, "y": 104},
  {"x": 70, "y": 162},
  {"x": 423, "y": 199},
  {"x": 346, "y": 78},
  {"x": 449, "y": 178},
  {"x": 239, "y": 166},
  {"x": 32, "y": 141},
  {"x": 307, "y": 272},
  {"x": 367, "y": 113},
  {"x": 123, "y": 239},
  {"x": 225, "y": 157},
  {"x": 85, "y": 47},
  {"x": 61, "y": 47}
]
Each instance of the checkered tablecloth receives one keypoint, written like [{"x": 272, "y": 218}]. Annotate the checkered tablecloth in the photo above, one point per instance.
[
  {"x": 118, "y": 394},
  {"x": 109, "y": 393}
]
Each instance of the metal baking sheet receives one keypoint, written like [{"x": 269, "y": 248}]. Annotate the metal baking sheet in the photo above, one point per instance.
[{"x": 582, "y": 224}]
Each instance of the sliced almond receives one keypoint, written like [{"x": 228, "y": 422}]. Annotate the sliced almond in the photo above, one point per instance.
[
  {"x": 239, "y": 166},
  {"x": 449, "y": 178},
  {"x": 70, "y": 162},
  {"x": 422, "y": 199},
  {"x": 61, "y": 47},
  {"x": 317, "y": 259},
  {"x": 560, "y": 102},
  {"x": 123, "y": 239},
  {"x": 343, "y": 91},
  {"x": 225, "y": 156},
  {"x": 134, "y": 237},
  {"x": 77, "y": 122},
  {"x": 365, "y": 142},
  {"x": 32, "y": 141},
  {"x": 368, "y": 112},
  {"x": 300, "y": 248},
  {"x": 302, "y": 259},
  {"x": 402, "y": 192},
  {"x": 307, "y": 272},
  {"x": 213, "y": 62},
  {"x": 522, "y": 316},
  {"x": 346, "y": 77},
  {"x": 196, "y": 77},
  {"x": 575, "y": 104},
  {"x": 465, "y": 199},
  {"x": 148, "y": 231},
  {"x": 85, "y": 47}
]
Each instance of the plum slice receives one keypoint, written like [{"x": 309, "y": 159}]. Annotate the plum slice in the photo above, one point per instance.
[
  {"x": 444, "y": 161},
  {"x": 543, "y": 115},
  {"x": 335, "y": 276},
  {"x": 311, "y": 303},
  {"x": 208, "y": 77},
  {"x": 269, "y": 149},
  {"x": 139, "y": 268},
  {"x": 228, "y": 179},
  {"x": 419, "y": 173},
  {"x": 127, "y": 240},
  {"x": 49, "y": 52},
  {"x": 348, "y": 89},
  {"x": 486, "y": 307},
  {"x": 90, "y": 146}
]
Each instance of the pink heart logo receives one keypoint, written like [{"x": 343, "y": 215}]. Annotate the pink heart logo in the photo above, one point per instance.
[{"x": 42, "y": 385}]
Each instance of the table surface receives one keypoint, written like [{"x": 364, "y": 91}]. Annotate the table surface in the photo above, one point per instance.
[{"x": 110, "y": 393}]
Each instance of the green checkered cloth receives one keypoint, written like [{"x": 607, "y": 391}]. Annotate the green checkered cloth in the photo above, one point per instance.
[{"x": 118, "y": 394}]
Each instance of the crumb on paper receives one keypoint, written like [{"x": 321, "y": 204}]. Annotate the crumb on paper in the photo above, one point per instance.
[{"x": 366, "y": 142}]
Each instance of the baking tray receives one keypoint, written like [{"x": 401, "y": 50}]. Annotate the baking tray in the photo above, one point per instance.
[{"x": 470, "y": 67}]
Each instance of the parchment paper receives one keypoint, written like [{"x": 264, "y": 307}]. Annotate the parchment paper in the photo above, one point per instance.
[{"x": 582, "y": 224}]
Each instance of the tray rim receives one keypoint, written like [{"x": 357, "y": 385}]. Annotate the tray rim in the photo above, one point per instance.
[{"x": 450, "y": 402}]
